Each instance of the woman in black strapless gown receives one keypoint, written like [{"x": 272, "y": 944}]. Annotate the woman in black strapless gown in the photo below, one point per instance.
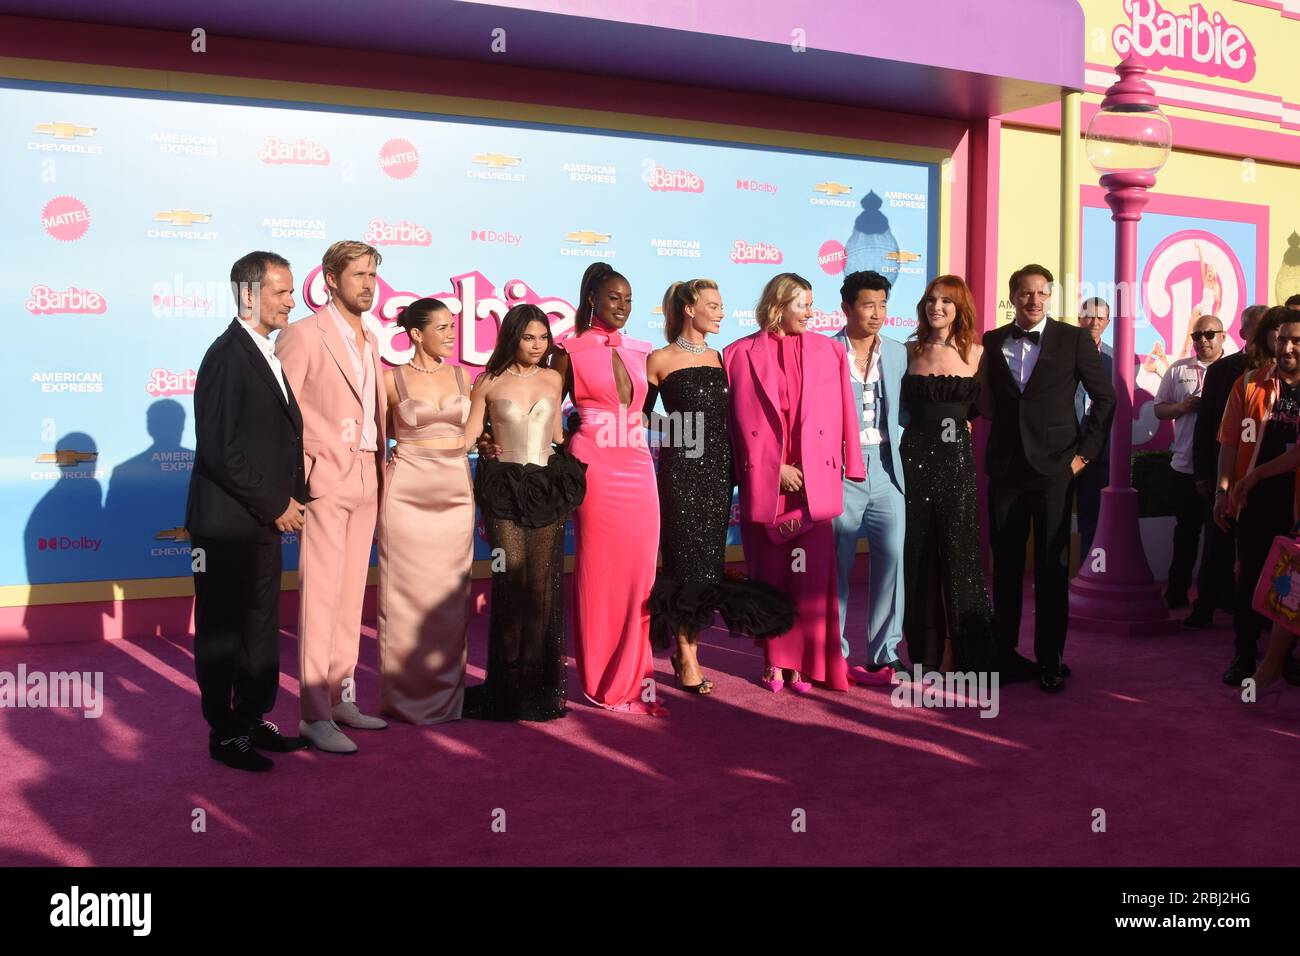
[
  {"x": 947, "y": 598},
  {"x": 695, "y": 482}
]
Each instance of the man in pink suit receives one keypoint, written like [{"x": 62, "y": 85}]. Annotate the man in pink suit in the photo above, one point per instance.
[
  {"x": 794, "y": 436},
  {"x": 332, "y": 364}
]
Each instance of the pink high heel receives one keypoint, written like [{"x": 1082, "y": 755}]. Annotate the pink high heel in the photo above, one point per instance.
[
  {"x": 801, "y": 686},
  {"x": 773, "y": 685}
]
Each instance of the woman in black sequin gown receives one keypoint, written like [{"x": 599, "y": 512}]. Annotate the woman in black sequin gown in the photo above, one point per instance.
[
  {"x": 695, "y": 482},
  {"x": 948, "y": 617}
]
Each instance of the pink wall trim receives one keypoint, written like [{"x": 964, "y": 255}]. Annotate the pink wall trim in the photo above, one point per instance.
[
  {"x": 1201, "y": 136},
  {"x": 1196, "y": 84},
  {"x": 1253, "y": 213}
]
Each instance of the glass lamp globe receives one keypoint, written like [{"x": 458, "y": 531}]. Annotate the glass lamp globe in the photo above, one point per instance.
[{"x": 1129, "y": 138}]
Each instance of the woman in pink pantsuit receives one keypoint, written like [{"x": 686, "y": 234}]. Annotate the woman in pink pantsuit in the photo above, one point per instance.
[
  {"x": 617, "y": 524},
  {"x": 794, "y": 439}
]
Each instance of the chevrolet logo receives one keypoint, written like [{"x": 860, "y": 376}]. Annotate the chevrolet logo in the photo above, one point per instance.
[
  {"x": 587, "y": 237},
  {"x": 66, "y": 457},
  {"x": 63, "y": 130},
  {"x": 901, "y": 256},
  {"x": 832, "y": 189},
  {"x": 182, "y": 217},
  {"x": 496, "y": 160},
  {"x": 658, "y": 310},
  {"x": 173, "y": 534}
]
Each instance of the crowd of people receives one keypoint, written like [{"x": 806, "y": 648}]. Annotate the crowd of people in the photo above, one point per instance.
[{"x": 827, "y": 437}]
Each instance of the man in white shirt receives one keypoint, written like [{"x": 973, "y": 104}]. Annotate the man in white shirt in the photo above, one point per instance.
[{"x": 1178, "y": 399}]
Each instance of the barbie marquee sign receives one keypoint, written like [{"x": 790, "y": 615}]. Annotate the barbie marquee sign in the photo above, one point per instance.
[{"x": 1198, "y": 41}]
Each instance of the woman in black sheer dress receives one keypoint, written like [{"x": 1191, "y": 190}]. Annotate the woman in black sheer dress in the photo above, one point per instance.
[
  {"x": 525, "y": 490},
  {"x": 695, "y": 482},
  {"x": 948, "y": 618}
]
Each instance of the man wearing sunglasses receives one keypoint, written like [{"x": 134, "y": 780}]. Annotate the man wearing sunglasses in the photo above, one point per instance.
[{"x": 1179, "y": 398}]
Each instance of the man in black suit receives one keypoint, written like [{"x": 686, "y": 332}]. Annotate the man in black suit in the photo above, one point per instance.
[
  {"x": 1033, "y": 367},
  {"x": 245, "y": 491}
]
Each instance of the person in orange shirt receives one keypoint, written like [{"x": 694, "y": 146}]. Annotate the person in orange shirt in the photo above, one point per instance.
[{"x": 1260, "y": 423}]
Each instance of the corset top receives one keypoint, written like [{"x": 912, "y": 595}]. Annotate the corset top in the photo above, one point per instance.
[
  {"x": 416, "y": 420},
  {"x": 933, "y": 400},
  {"x": 523, "y": 435}
]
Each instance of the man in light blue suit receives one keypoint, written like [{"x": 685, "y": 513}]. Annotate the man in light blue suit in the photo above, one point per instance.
[{"x": 877, "y": 505}]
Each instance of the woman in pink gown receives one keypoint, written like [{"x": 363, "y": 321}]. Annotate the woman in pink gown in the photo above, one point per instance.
[{"x": 617, "y": 524}]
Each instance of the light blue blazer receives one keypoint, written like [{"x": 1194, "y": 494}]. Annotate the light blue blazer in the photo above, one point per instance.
[{"x": 893, "y": 365}]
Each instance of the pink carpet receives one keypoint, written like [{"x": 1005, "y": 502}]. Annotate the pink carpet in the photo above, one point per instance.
[{"x": 1145, "y": 732}]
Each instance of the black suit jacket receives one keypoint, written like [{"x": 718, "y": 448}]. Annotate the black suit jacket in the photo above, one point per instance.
[
  {"x": 248, "y": 457},
  {"x": 1216, "y": 388},
  {"x": 1040, "y": 422}
]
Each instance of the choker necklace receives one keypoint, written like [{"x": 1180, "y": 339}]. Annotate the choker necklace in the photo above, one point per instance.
[
  {"x": 427, "y": 371},
  {"x": 691, "y": 347},
  {"x": 536, "y": 369}
]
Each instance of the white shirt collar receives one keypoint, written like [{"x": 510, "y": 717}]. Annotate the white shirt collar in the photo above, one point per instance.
[
  {"x": 263, "y": 341},
  {"x": 1042, "y": 323}
]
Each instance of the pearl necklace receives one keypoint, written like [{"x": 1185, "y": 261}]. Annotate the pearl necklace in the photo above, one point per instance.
[
  {"x": 427, "y": 371},
  {"x": 691, "y": 347},
  {"x": 536, "y": 369}
]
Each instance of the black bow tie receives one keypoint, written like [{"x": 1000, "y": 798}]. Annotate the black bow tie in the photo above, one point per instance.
[{"x": 1018, "y": 333}]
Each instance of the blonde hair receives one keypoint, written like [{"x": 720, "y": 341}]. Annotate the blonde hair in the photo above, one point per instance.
[
  {"x": 779, "y": 292},
  {"x": 338, "y": 255},
  {"x": 676, "y": 299}
]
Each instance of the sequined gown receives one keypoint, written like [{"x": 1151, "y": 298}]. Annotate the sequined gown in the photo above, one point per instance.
[
  {"x": 525, "y": 496},
  {"x": 695, "y": 481},
  {"x": 944, "y": 579}
]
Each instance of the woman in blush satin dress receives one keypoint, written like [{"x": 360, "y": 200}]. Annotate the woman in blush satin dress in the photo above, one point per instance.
[
  {"x": 794, "y": 435},
  {"x": 525, "y": 492},
  {"x": 426, "y": 528},
  {"x": 617, "y": 524}
]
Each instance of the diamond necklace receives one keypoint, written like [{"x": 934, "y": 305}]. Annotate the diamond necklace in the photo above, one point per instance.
[{"x": 691, "y": 347}]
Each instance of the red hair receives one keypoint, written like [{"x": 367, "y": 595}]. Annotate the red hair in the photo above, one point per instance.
[{"x": 964, "y": 329}]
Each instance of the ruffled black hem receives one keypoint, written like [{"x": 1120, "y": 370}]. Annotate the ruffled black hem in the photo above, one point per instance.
[
  {"x": 532, "y": 496},
  {"x": 749, "y": 608}
]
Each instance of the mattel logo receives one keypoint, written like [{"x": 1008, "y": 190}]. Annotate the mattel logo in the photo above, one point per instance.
[
  {"x": 66, "y": 543},
  {"x": 399, "y": 159},
  {"x": 301, "y": 152},
  {"x": 755, "y": 186},
  {"x": 751, "y": 252},
  {"x": 65, "y": 218},
  {"x": 380, "y": 233},
  {"x": 163, "y": 382},
  {"x": 71, "y": 301},
  {"x": 494, "y": 235},
  {"x": 679, "y": 181}
]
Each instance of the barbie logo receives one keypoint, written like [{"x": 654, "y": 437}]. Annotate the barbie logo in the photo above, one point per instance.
[
  {"x": 475, "y": 301},
  {"x": 764, "y": 252},
  {"x": 826, "y": 321},
  {"x": 681, "y": 181},
  {"x": 47, "y": 301},
  {"x": 380, "y": 233},
  {"x": 1196, "y": 41},
  {"x": 1190, "y": 274},
  {"x": 163, "y": 382},
  {"x": 302, "y": 152}
]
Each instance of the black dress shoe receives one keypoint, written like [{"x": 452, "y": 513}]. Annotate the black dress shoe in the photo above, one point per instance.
[
  {"x": 266, "y": 736},
  {"x": 1012, "y": 668},
  {"x": 1175, "y": 599},
  {"x": 1199, "y": 618},
  {"x": 1051, "y": 682},
  {"x": 238, "y": 752},
  {"x": 1240, "y": 668}
]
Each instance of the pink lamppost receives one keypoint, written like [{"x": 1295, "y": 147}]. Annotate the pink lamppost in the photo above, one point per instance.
[{"x": 1128, "y": 141}]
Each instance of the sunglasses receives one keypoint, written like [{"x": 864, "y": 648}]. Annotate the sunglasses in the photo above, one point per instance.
[{"x": 1207, "y": 336}]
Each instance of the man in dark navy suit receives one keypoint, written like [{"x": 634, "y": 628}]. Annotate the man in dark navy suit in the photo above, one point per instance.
[
  {"x": 1035, "y": 449},
  {"x": 246, "y": 489}
]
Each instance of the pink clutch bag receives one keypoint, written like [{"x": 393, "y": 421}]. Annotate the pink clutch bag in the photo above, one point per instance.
[
  {"x": 1277, "y": 595},
  {"x": 789, "y": 525}
]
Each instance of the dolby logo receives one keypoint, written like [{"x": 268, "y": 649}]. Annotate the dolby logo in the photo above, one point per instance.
[{"x": 67, "y": 543}]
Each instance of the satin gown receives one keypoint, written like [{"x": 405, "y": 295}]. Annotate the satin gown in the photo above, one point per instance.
[
  {"x": 426, "y": 542},
  {"x": 616, "y": 526}
]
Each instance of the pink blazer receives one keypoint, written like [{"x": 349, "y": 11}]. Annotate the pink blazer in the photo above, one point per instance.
[
  {"x": 828, "y": 426},
  {"x": 319, "y": 370}
]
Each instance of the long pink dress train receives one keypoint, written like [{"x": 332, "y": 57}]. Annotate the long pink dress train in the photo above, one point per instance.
[{"x": 616, "y": 526}]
